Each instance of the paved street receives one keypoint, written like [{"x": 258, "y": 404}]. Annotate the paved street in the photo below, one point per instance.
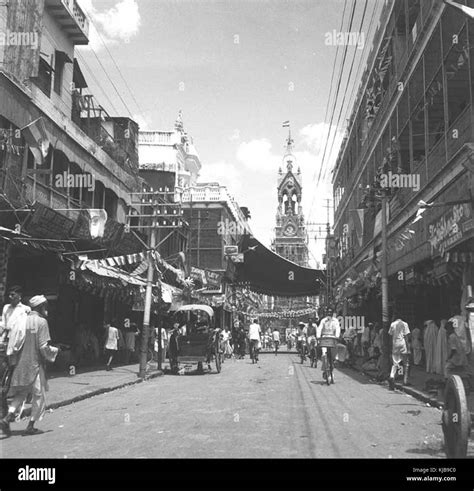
[{"x": 276, "y": 409}]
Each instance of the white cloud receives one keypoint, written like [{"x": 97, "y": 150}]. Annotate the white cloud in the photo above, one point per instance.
[
  {"x": 224, "y": 173},
  {"x": 257, "y": 156},
  {"x": 118, "y": 24}
]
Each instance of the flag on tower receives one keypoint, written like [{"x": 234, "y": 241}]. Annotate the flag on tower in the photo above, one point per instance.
[{"x": 286, "y": 124}]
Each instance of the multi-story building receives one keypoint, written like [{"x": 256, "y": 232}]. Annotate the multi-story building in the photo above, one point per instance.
[
  {"x": 169, "y": 161},
  {"x": 411, "y": 131},
  {"x": 61, "y": 156},
  {"x": 215, "y": 221}
]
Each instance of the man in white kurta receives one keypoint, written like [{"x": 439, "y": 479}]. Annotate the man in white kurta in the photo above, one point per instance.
[
  {"x": 29, "y": 375},
  {"x": 399, "y": 331}
]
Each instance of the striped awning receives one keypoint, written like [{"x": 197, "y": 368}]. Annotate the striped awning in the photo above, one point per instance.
[{"x": 460, "y": 257}]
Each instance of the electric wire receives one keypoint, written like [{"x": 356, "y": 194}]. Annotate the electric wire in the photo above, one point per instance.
[
  {"x": 345, "y": 94},
  {"x": 334, "y": 104}
]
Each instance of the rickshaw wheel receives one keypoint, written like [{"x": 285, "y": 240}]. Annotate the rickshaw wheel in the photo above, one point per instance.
[{"x": 456, "y": 418}]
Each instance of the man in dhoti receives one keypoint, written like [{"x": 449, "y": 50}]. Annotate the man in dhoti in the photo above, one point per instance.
[
  {"x": 400, "y": 333},
  {"x": 29, "y": 375}
]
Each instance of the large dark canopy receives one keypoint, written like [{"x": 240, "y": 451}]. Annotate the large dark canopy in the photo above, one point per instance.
[{"x": 263, "y": 271}]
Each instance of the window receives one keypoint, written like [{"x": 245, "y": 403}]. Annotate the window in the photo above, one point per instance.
[
  {"x": 402, "y": 162},
  {"x": 418, "y": 133},
  {"x": 59, "y": 61},
  {"x": 457, "y": 77},
  {"x": 416, "y": 85},
  {"x": 413, "y": 14},
  {"x": 435, "y": 108},
  {"x": 432, "y": 56},
  {"x": 452, "y": 22},
  {"x": 43, "y": 80}
]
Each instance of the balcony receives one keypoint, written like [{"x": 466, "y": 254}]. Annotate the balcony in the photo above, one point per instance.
[
  {"x": 211, "y": 193},
  {"x": 71, "y": 18}
]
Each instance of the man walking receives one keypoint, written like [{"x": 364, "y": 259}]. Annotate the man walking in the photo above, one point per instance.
[
  {"x": 12, "y": 336},
  {"x": 276, "y": 339},
  {"x": 254, "y": 338},
  {"x": 29, "y": 375},
  {"x": 111, "y": 344},
  {"x": 400, "y": 336}
]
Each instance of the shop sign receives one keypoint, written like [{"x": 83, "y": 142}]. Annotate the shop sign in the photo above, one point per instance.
[
  {"x": 450, "y": 229},
  {"x": 48, "y": 223},
  {"x": 409, "y": 276},
  {"x": 213, "y": 279}
]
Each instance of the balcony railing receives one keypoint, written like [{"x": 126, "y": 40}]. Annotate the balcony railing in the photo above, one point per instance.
[
  {"x": 211, "y": 193},
  {"x": 71, "y": 18}
]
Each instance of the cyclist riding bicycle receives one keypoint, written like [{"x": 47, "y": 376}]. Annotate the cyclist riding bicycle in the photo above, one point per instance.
[
  {"x": 312, "y": 342},
  {"x": 328, "y": 327},
  {"x": 301, "y": 339}
]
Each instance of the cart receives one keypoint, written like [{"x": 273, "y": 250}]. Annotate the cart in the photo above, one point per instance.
[
  {"x": 198, "y": 340},
  {"x": 456, "y": 417}
]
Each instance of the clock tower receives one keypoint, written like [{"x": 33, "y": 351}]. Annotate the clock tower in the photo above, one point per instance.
[{"x": 291, "y": 238}]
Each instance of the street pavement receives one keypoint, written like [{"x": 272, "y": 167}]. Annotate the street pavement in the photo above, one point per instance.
[{"x": 275, "y": 409}]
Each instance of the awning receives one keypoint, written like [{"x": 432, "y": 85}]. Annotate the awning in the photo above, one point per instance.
[
  {"x": 265, "y": 272},
  {"x": 113, "y": 273},
  {"x": 23, "y": 240}
]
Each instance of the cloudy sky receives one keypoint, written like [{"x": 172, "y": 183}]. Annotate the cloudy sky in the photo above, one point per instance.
[{"x": 237, "y": 69}]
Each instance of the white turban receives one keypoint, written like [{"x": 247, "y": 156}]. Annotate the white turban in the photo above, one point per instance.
[{"x": 37, "y": 300}]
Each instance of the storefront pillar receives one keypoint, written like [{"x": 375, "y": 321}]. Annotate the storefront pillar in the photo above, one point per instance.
[{"x": 4, "y": 252}]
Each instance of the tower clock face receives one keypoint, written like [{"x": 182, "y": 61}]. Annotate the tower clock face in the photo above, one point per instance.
[{"x": 290, "y": 230}]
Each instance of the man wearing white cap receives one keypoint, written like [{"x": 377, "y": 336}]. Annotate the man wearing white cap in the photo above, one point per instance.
[{"x": 29, "y": 374}]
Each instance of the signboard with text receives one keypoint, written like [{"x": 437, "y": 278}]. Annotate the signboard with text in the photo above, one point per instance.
[{"x": 454, "y": 226}]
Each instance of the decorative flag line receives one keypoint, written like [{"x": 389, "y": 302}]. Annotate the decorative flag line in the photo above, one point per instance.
[{"x": 287, "y": 314}]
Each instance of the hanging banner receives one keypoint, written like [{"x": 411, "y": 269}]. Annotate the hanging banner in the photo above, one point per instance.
[{"x": 198, "y": 275}]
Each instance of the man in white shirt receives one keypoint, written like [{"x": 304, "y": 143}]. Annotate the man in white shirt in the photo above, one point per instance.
[
  {"x": 254, "y": 338},
  {"x": 328, "y": 327},
  {"x": 11, "y": 314},
  {"x": 276, "y": 339},
  {"x": 111, "y": 345}
]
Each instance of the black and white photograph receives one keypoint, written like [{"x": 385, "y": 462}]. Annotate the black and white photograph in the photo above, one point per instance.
[{"x": 237, "y": 230}]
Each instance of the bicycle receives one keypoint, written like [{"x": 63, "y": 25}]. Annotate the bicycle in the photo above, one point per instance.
[
  {"x": 328, "y": 363},
  {"x": 254, "y": 350},
  {"x": 301, "y": 347},
  {"x": 313, "y": 354}
]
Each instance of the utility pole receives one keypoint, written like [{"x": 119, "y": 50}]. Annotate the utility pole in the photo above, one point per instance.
[
  {"x": 384, "y": 272},
  {"x": 157, "y": 210}
]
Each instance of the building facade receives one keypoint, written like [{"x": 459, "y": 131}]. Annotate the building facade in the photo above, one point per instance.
[
  {"x": 62, "y": 165},
  {"x": 411, "y": 133}
]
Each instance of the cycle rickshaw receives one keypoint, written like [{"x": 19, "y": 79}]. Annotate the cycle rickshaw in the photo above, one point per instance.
[{"x": 197, "y": 341}]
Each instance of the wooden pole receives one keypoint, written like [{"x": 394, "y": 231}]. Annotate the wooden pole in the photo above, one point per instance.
[{"x": 147, "y": 308}]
